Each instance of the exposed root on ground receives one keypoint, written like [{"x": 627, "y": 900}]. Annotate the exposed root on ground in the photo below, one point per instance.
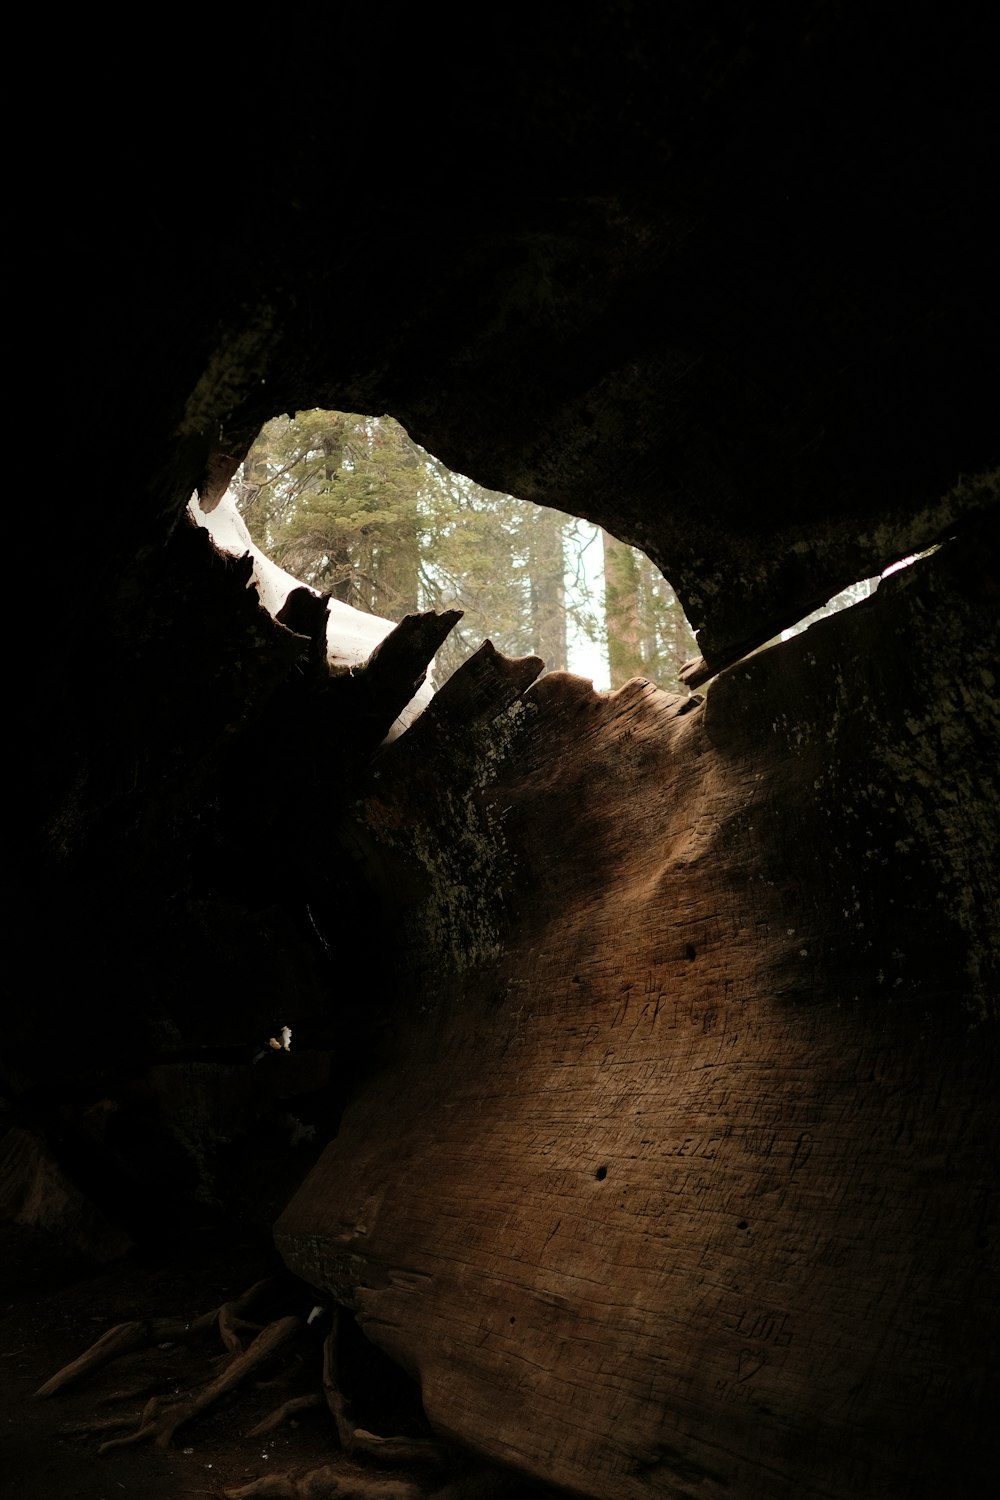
[
  {"x": 355, "y": 1440},
  {"x": 126, "y": 1338},
  {"x": 285, "y": 1412},
  {"x": 290, "y": 1337},
  {"x": 160, "y": 1422},
  {"x": 320, "y": 1484},
  {"x": 332, "y": 1483}
]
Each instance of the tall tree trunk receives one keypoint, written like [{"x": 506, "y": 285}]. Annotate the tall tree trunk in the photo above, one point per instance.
[
  {"x": 675, "y": 641},
  {"x": 621, "y": 609},
  {"x": 546, "y": 573},
  {"x": 649, "y": 617},
  {"x": 340, "y": 578}
]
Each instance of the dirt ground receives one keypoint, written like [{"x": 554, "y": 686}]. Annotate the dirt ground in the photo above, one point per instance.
[{"x": 55, "y": 1305}]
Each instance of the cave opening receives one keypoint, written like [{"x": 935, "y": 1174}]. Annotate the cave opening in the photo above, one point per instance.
[{"x": 350, "y": 506}]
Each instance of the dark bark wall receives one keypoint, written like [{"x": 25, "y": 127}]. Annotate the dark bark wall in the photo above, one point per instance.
[{"x": 726, "y": 286}]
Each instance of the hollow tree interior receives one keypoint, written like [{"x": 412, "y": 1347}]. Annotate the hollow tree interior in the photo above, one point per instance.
[{"x": 641, "y": 1107}]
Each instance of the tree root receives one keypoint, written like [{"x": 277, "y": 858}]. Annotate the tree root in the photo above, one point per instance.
[
  {"x": 231, "y": 1319},
  {"x": 355, "y": 1440},
  {"x": 321, "y": 1484},
  {"x": 287, "y": 1410},
  {"x": 399, "y": 1450},
  {"x": 91, "y": 1429},
  {"x": 127, "y": 1338},
  {"x": 335, "y": 1399},
  {"x": 162, "y": 1416},
  {"x": 160, "y": 1423}
]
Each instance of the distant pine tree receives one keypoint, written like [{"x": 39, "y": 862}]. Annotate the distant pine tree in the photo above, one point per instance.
[{"x": 351, "y": 505}]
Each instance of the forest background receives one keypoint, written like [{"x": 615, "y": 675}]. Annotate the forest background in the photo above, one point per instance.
[{"x": 350, "y": 505}]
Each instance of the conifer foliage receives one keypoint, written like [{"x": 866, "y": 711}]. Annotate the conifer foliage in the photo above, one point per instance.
[{"x": 351, "y": 505}]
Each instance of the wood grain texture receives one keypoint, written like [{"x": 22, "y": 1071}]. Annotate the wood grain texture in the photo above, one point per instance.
[{"x": 680, "y": 1187}]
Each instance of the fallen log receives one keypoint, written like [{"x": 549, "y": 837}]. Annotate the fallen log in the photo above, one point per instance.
[{"x": 672, "y": 1180}]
